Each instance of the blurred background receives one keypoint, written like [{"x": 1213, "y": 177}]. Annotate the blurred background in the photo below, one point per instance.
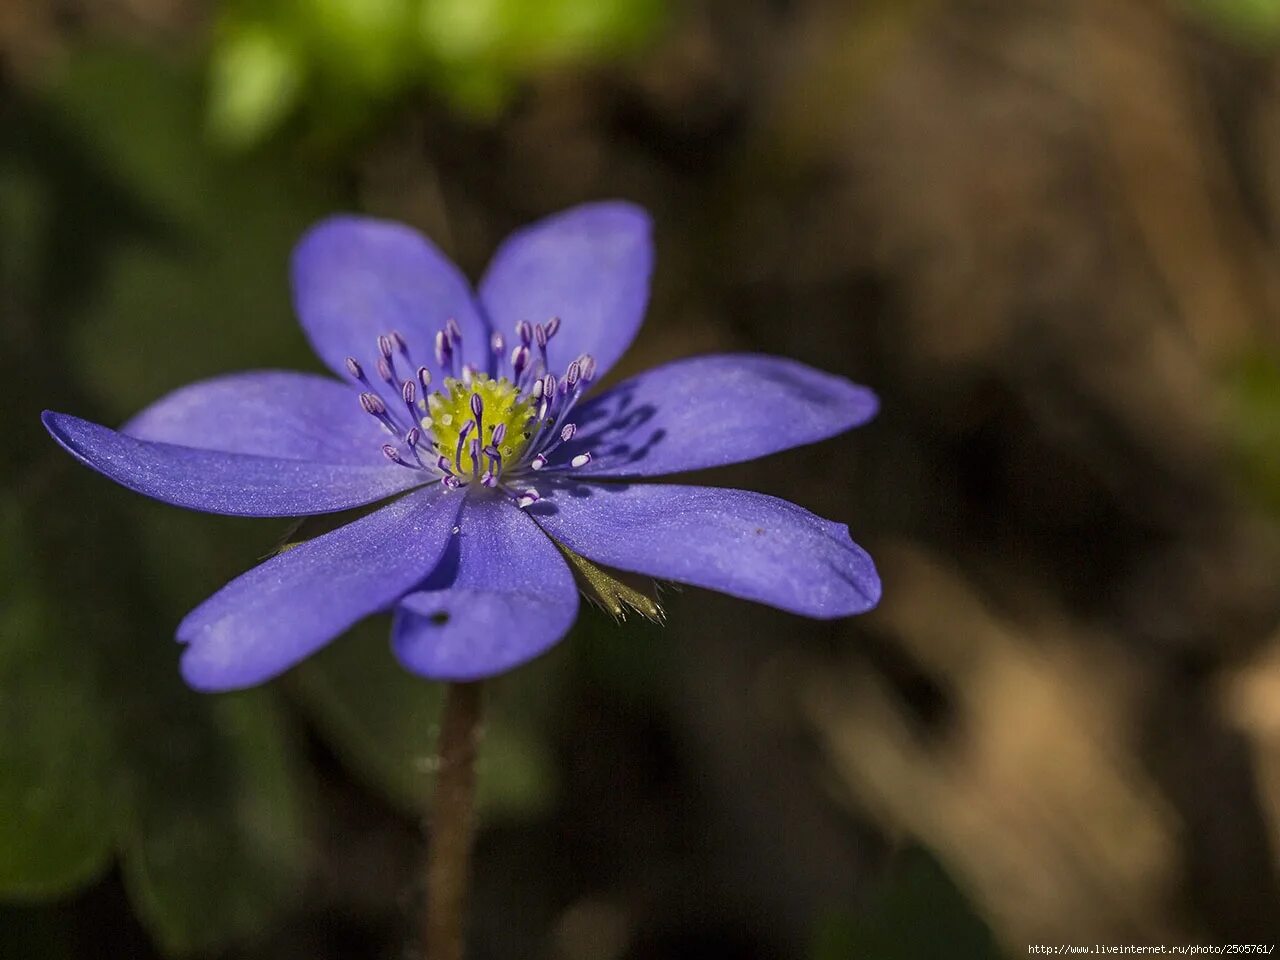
[{"x": 1045, "y": 231}]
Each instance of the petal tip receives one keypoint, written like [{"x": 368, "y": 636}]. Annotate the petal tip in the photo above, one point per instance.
[
  {"x": 62, "y": 427},
  {"x": 867, "y": 402},
  {"x": 871, "y": 588},
  {"x": 341, "y": 236},
  {"x": 623, "y": 211},
  {"x": 860, "y": 574},
  {"x": 620, "y": 220},
  {"x": 207, "y": 676},
  {"x": 53, "y": 422}
]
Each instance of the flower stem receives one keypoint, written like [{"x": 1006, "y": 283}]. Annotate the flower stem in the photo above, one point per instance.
[{"x": 452, "y": 823}]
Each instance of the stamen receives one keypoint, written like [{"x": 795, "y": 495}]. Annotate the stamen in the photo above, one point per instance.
[
  {"x": 490, "y": 478},
  {"x": 477, "y": 415},
  {"x": 354, "y": 369},
  {"x": 528, "y": 498},
  {"x": 477, "y": 411},
  {"x": 384, "y": 346},
  {"x": 581, "y": 460},
  {"x": 462, "y": 438},
  {"x": 450, "y": 481},
  {"x": 400, "y": 343},
  {"x": 392, "y": 454},
  {"x": 385, "y": 372},
  {"x": 572, "y": 374},
  {"x": 411, "y": 440},
  {"x": 497, "y": 344},
  {"x": 540, "y": 338},
  {"x": 588, "y": 364},
  {"x": 372, "y": 404},
  {"x": 454, "y": 331},
  {"x": 519, "y": 360},
  {"x": 524, "y": 330},
  {"x": 538, "y": 462},
  {"x": 444, "y": 351},
  {"x": 566, "y": 434},
  {"x": 553, "y": 326}
]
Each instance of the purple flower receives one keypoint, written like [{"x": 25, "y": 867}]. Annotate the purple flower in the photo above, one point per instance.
[{"x": 474, "y": 404}]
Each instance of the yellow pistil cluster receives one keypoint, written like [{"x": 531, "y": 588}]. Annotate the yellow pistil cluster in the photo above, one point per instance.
[{"x": 449, "y": 410}]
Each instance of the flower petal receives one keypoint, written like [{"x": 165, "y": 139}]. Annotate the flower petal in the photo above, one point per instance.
[
  {"x": 502, "y": 598},
  {"x": 356, "y": 278},
  {"x": 271, "y": 413},
  {"x": 745, "y": 544},
  {"x": 216, "y": 482},
  {"x": 589, "y": 266},
  {"x": 711, "y": 411},
  {"x": 272, "y": 617}
]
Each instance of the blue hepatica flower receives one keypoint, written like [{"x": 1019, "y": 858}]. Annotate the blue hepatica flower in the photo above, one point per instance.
[{"x": 457, "y": 400}]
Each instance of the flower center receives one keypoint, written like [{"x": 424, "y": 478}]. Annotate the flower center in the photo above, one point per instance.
[
  {"x": 478, "y": 427},
  {"x": 495, "y": 428}
]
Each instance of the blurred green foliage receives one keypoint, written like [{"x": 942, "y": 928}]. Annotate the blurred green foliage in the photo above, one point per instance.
[
  {"x": 52, "y": 817},
  {"x": 38, "y": 932},
  {"x": 344, "y": 58},
  {"x": 382, "y": 721},
  {"x": 1254, "y": 391},
  {"x": 1246, "y": 21},
  {"x": 890, "y": 925}
]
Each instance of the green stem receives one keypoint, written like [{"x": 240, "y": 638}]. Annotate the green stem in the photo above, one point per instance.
[{"x": 452, "y": 824}]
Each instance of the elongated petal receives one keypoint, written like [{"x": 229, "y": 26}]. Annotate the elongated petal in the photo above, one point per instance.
[
  {"x": 589, "y": 266},
  {"x": 502, "y": 598},
  {"x": 745, "y": 544},
  {"x": 356, "y": 278},
  {"x": 270, "y": 618},
  {"x": 234, "y": 483},
  {"x": 711, "y": 411},
  {"x": 271, "y": 413}
]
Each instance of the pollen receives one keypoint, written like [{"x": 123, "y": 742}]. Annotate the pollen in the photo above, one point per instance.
[{"x": 478, "y": 415}]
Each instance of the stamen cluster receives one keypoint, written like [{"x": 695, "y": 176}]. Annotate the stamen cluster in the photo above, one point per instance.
[{"x": 493, "y": 426}]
